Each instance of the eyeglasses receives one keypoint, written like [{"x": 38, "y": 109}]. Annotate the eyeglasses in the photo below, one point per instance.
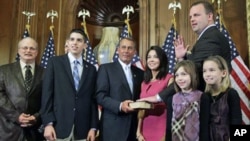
[{"x": 30, "y": 48}]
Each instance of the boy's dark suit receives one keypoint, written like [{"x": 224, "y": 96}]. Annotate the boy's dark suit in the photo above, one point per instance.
[{"x": 63, "y": 105}]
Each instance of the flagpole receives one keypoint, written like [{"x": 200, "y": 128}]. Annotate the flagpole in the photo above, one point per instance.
[
  {"x": 174, "y": 5},
  {"x": 28, "y": 15},
  {"x": 51, "y": 14},
  {"x": 128, "y": 9},
  {"x": 84, "y": 13}
]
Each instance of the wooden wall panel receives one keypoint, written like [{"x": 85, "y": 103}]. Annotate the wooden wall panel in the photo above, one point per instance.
[
  {"x": 5, "y": 34},
  {"x": 155, "y": 21}
]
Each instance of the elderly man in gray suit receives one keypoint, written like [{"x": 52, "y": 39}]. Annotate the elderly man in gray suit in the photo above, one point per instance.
[{"x": 20, "y": 95}]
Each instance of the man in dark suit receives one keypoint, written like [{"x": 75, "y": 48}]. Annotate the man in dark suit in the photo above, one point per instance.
[
  {"x": 210, "y": 40},
  {"x": 69, "y": 110},
  {"x": 116, "y": 88},
  {"x": 20, "y": 94}
]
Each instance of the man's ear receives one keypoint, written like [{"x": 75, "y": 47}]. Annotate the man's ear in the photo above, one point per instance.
[{"x": 85, "y": 45}]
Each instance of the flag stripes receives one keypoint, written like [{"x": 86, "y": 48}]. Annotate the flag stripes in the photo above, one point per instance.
[{"x": 240, "y": 75}]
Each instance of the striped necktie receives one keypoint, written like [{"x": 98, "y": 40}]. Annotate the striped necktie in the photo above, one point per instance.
[{"x": 76, "y": 75}]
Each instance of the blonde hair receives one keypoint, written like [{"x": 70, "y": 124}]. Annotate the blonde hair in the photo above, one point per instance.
[{"x": 222, "y": 65}]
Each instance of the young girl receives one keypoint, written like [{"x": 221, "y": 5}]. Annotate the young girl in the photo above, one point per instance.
[
  {"x": 188, "y": 108},
  {"x": 225, "y": 102}
]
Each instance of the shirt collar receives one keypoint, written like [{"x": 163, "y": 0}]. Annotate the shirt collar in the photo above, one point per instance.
[
  {"x": 123, "y": 64},
  {"x": 205, "y": 30},
  {"x": 72, "y": 59},
  {"x": 32, "y": 65}
]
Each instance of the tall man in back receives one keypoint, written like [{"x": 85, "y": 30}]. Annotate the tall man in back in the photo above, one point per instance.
[
  {"x": 20, "y": 95},
  {"x": 69, "y": 111},
  {"x": 118, "y": 84},
  {"x": 210, "y": 40}
]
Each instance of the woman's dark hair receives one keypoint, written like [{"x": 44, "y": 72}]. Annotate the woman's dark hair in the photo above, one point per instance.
[{"x": 163, "y": 67}]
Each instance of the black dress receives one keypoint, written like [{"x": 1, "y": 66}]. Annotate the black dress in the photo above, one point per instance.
[{"x": 224, "y": 111}]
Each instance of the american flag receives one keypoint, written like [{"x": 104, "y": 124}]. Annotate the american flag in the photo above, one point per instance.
[
  {"x": 240, "y": 75},
  {"x": 25, "y": 34},
  {"x": 49, "y": 51},
  {"x": 136, "y": 59},
  {"x": 168, "y": 47},
  {"x": 90, "y": 56}
]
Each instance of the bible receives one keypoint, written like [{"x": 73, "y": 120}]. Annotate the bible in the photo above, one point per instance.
[{"x": 141, "y": 105}]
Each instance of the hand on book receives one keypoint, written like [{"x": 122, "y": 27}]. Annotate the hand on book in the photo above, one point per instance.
[
  {"x": 141, "y": 105},
  {"x": 125, "y": 106},
  {"x": 151, "y": 99}
]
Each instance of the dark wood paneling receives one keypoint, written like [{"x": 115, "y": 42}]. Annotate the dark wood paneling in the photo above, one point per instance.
[
  {"x": 13, "y": 23},
  {"x": 5, "y": 34}
]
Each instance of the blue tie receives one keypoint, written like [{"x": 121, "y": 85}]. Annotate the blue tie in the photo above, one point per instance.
[{"x": 76, "y": 75}]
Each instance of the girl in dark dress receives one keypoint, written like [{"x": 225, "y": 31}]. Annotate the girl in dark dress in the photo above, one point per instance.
[{"x": 224, "y": 101}]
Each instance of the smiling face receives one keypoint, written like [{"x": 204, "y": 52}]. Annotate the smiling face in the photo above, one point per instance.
[
  {"x": 27, "y": 49},
  {"x": 153, "y": 61},
  {"x": 183, "y": 79},
  {"x": 199, "y": 18},
  {"x": 126, "y": 50},
  {"x": 76, "y": 44},
  {"x": 212, "y": 74}
]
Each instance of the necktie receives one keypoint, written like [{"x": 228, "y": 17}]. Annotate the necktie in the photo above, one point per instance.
[
  {"x": 129, "y": 77},
  {"x": 76, "y": 74},
  {"x": 28, "y": 77}
]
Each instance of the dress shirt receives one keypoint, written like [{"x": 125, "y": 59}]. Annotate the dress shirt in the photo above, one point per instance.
[
  {"x": 23, "y": 68},
  {"x": 123, "y": 67}
]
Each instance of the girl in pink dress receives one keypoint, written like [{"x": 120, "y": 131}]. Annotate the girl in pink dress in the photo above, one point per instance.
[{"x": 152, "y": 123}]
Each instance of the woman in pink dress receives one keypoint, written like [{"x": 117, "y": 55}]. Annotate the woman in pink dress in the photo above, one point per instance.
[{"x": 152, "y": 123}]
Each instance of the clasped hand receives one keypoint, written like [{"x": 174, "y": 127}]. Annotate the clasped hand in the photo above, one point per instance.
[{"x": 26, "y": 120}]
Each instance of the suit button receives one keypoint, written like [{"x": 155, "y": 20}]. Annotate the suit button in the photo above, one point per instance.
[{"x": 74, "y": 109}]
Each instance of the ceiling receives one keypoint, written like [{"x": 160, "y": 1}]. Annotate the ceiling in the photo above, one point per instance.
[{"x": 109, "y": 12}]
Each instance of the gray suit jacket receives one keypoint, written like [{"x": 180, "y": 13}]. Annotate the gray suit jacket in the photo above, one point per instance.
[{"x": 14, "y": 100}]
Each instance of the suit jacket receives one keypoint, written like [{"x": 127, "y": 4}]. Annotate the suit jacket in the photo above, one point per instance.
[
  {"x": 14, "y": 100},
  {"x": 112, "y": 89},
  {"x": 212, "y": 42},
  {"x": 63, "y": 105}
]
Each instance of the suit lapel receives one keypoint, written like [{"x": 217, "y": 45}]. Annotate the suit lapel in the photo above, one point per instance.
[
  {"x": 85, "y": 73},
  {"x": 124, "y": 79},
  {"x": 36, "y": 78},
  {"x": 67, "y": 66},
  {"x": 17, "y": 71}
]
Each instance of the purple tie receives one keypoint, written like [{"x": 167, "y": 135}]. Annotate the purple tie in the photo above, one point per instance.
[{"x": 76, "y": 74}]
